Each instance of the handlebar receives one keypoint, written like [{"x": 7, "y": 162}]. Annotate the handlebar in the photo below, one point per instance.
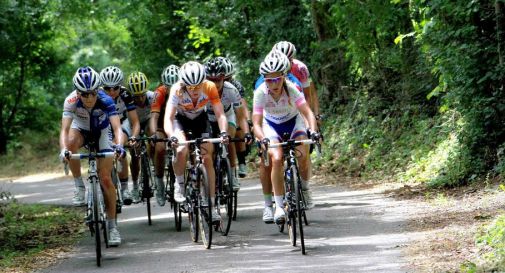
[{"x": 291, "y": 142}]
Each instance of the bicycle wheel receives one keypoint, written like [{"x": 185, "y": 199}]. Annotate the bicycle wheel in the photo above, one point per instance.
[
  {"x": 192, "y": 201},
  {"x": 146, "y": 187},
  {"x": 291, "y": 206},
  {"x": 103, "y": 219},
  {"x": 117, "y": 185},
  {"x": 170, "y": 190},
  {"x": 205, "y": 209},
  {"x": 300, "y": 208},
  {"x": 96, "y": 221},
  {"x": 235, "y": 201},
  {"x": 224, "y": 196}
]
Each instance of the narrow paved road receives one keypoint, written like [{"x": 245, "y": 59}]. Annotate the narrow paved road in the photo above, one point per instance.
[{"x": 349, "y": 231}]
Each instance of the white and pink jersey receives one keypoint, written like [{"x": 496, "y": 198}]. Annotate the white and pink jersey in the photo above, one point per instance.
[
  {"x": 281, "y": 110},
  {"x": 301, "y": 72}
]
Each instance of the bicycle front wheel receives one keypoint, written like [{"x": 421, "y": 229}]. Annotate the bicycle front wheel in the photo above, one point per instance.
[
  {"x": 225, "y": 196},
  {"x": 145, "y": 174},
  {"x": 170, "y": 191},
  {"x": 300, "y": 209},
  {"x": 205, "y": 208},
  {"x": 192, "y": 201},
  {"x": 96, "y": 221},
  {"x": 291, "y": 204}
]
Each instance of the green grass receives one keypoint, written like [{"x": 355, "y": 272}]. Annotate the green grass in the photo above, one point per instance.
[{"x": 28, "y": 230}]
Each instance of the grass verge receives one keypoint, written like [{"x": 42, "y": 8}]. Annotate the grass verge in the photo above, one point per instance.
[{"x": 34, "y": 236}]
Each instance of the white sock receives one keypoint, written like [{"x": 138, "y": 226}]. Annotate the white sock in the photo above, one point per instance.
[
  {"x": 136, "y": 184},
  {"x": 78, "y": 182},
  {"x": 279, "y": 201},
  {"x": 268, "y": 200},
  {"x": 305, "y": 185},
  {"x": 112, "y": 223},
  {"x": 179, "y": 179}
]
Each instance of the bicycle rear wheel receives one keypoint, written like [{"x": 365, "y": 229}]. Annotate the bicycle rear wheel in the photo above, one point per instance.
[
  {"x": 205, "y": 209},
  {"x": 225, "y": 196},
  {"x": 96, "y": 222}
]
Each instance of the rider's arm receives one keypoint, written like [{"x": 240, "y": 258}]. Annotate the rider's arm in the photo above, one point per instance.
[
  {"x": 168, "y": 123},
  {"x": 309, "y": 116},
  {"x": 65, "y": 127},
  {"x": 308, "y": 96},
  {"x": 115, "y": 123},
  {"x": 153, "y": 122},
  {"x": 246, "y": 110},
  {"x": 220, "y": 116},
  {"x": 314, "y": 98},
  {"x": 257, "y": 120},
  {"x": 134, "y": 121},
  {"x": 241, "y": 118}
]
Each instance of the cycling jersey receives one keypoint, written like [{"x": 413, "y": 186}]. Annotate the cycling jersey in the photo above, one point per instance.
[
  {"x": 239, "y": 86},
  {"x": 230, "y": 98},
  {"x": 282, "y": 110},
  {"x": 124, "y": 103},
  {"x": 181, "y": 100},
  {"x": 291, "y": 77},
  {"x": 144, "y": 111},
  {"x": 159, "y": 103},
  {"x": 301, "y": 72},
  {"x": 93, "y": 119}
]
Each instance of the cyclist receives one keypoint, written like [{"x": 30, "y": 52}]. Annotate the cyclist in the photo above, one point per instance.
[
  {"x": 240, "y": 147},
  {"x": 279, "y": 108},
  {"x": 185, "y": 112},
  {"x": 88, "y": 115},
  {"x": 169, "y": 77},
  {"x": 290, "y": 76},
  {"x": 112, "y": 78},
  {"x": 300, "y": 70},
  {"x": 234, "y": 111},
  {"x": 143, "y": 98}
]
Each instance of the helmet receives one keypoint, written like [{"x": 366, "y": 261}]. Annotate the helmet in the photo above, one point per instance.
[
  {"x": 273, "y": 64},
  {"x": 229, "y": 69},
  {"x": 137, "y": 82},
  {"x": 278, "y": 54},
  {"x": 192, "y": 73},
  {"x": 170, "y": 74},
  {"x": 86, "y": 79},
  {"x": 286, "y": 48},
  {"x": 111, "y": 76},
  {"x": 214, "y": 67}
]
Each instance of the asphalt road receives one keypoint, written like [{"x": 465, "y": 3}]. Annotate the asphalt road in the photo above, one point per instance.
[{"x": 349, "y": 231}]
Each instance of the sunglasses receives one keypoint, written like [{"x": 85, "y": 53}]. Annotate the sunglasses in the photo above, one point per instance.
[
  {"x": 110, "y": 88},
  {"x": 273, "y": 80},
  {"x": 193, "y": 87},
  {"x": 86, "y": 95}
]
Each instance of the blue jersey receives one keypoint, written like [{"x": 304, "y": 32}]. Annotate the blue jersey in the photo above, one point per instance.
[
  {"x": 291, "y": 77},
  {"x": 93, "y": 119}
]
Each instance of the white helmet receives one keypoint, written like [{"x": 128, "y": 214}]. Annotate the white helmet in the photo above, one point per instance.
[
  {"x": 273, "y": 64},
  {"x": 111, "y": 76},
  {"x": 192, "y": 73},
  {"x": 86, "y": 79},
  {"x": 278, "y": 54},
  {"x": 286, "y": 48},
  {"x": 170, "y": 75},
  {"x": 229, "y": 69}
]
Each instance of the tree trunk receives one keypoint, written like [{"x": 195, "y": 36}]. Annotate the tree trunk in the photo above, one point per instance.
[
  {"x": 500, "y": 33},
  {"x": 332, "y": 70}
]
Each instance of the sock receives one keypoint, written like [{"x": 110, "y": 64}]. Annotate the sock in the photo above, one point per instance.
[
  {"x": 212, "y": 200},
  {"x": 124, "y": 184},
  {"x": 112, "y": 223},
  {"x": 233, "y": 172},
  {"x": 241, "y": 157},
  {"x": 279, "y": 201},
  {"x": 159, "y": 180},
  {"x": 78, "y": 182},
  {"x": 305, "y": 185},
  {"x": 268, "y": 199},
  {"x": 180, "y": 179},
  {"x": 136, "y": 184}
]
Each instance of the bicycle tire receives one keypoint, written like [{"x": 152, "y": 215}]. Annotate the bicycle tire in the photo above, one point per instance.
[
  {"x": 96, "y": 222},
  {"x": 205, "y": 210},
  {"x": 117, "y": 186},
  {"x": 300, "y": 211},
  {"x": 235, "y": 203},
  {"x": 192, "y": 200},
  {"x": 225, "y": 202},
  {"x": 176, "y": 207},
  {"x": 104, "y": 227},
  {"x": 292, "y": 213},
  {"x": 146, "y": 187}
]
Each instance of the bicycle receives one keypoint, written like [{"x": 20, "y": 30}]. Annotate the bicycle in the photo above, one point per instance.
[
  {"x": 146, "y": 175},
  {"x": 96, "y": 218},
  {"x": 294, "y": 199},
  {"x": 199, "y": 208},
  {"x": 169, "y": 186},
  {"x": 225, "y": 195}
]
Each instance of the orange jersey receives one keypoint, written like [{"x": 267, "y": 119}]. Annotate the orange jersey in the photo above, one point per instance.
[{"x": 181, "y": 100}]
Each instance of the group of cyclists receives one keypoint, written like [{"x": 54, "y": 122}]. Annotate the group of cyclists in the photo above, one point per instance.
[{"x": 192, "y": 101}]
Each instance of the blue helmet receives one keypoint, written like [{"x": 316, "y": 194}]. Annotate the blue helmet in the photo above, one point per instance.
[{"x": 86, "y": 79}]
